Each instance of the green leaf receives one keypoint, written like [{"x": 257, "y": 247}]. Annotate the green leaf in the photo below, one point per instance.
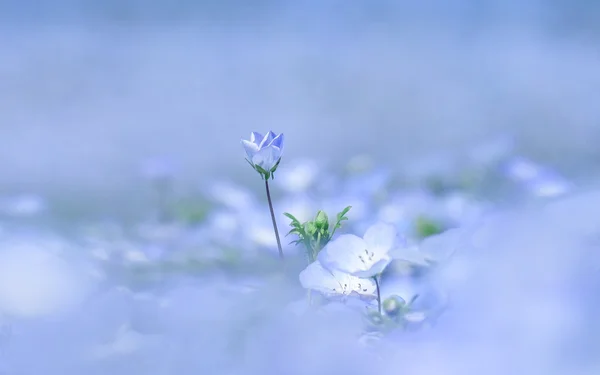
[
  {"x": 294, "y": 230},
  {"x": 310, "y": 228},
  {"x": 344, "y": 212},
  {"x": 292, "y": 218},
  {"x": 340, "y": 217}
]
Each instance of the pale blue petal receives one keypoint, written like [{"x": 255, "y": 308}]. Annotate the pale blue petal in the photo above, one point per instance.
[
  {"x": 250, "y": 147},
  {"x": 521, "y": 169},
  {"x": 256, "y": 138},
  {"x": 411, "y": 255},
  {"x": 266, "y": 140},
  {"x": 343, "y": 254},
  {"x": 277, "y": 152},
  {"x": 266, "y": 158},
  {"x": 549, "y": 185},
  {"x": 374, "y": 269},
  {"x": 381, "y": 238},
  {"x": 316, "y": 277},
  {"x": 277, "y": 141}
]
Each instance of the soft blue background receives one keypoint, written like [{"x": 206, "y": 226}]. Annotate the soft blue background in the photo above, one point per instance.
[{"x": 89, "y": 89}]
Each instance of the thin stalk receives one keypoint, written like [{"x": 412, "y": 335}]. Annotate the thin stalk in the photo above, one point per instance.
[
  {"x": 376, "y": 278},
  {"x": 314, "y": 251},
  {"x": 273, "y": 219},
  {"x": 318, "y": 247}
]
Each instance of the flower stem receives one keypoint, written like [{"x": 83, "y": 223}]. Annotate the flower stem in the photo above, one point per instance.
[
  {"x": 317, "y": 248},
  {"x": 273, "y": 219},
  {"x": 376, "y": 278}
]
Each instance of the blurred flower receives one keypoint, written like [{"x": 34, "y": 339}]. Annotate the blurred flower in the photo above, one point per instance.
[
  {"x": 537, "y": 179},
  {"x": 433, "y": 249},
  {"x": 302, "y": 206},
  {"x": 264, "y": 152},
  {"x": 549, "y": 185},
  {"x": 126, "y": 341},
  {"x": 23, "y": 205},
  {"x": 333, "y": 282},
  {"x": 420, "y": 214},
  {"x": 231, "y": 195},
  {"x": 37, "y": 280},
  {"x": 298, "y": 176},
  {"x": 361, "y": 257}
]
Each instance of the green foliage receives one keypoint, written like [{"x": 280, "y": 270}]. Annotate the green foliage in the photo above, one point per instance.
[
  {"x": 266, "y": 175},
  {"x": 315, "y": 234},
  {"x": 191, "y": 212},
  {"x": 426, "y": 227}
]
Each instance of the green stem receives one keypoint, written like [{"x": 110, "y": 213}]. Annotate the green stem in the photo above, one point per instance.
[
  {"x": 318, "y": 247},
  {"x": 273, "y": 219},
  {"x": 376, "y": 278}
]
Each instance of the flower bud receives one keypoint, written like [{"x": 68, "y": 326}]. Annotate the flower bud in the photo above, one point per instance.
[
  {"x": 322, "y": 221},
  {"x": 375, "y": 318},
  {"x": 393, "y": 305}
]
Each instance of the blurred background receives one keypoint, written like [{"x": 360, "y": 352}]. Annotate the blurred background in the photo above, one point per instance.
[{"x": 90, "y": 89}]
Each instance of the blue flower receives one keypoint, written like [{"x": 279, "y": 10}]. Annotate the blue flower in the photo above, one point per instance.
[
  {"x": 539, "y": 180},
  {"x": 264, "y": 152}
]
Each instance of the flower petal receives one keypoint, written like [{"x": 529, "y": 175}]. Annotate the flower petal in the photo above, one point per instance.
[
  {"x": 277, "y": 141},
  {"x": 380, "y": 238},
  {"x": 374, "y": 268},
  {"x": 363, "y": 286},
  {"x": 411, "y": 254},
  {"x": 256, "y": 138},
  {"x": 332, "y": 282},
  {"x": 316, "y": 277},
  {"x": 266, "y": 140},
  {"x": 250, "y": 147},
  {"x": 343, "y": 254},
  {"x": 266, "y": 158}
]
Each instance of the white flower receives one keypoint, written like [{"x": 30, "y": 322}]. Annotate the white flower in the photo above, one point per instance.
[
  {"x": 264, "y": 152},
  {"x": 361, "y": 257},
  {"x": 332, "y": 282}
]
